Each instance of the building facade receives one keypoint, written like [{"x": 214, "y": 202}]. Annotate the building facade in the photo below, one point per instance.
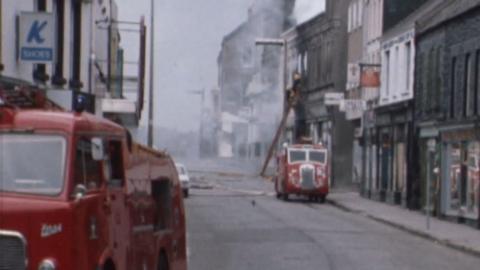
[
  {"x": 447, "y": 111},
  {"x": 317, "y": 49},
  {"x": 87, "y": 56}
]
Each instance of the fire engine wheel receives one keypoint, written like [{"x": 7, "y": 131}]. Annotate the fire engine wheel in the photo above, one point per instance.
[
  {"x": 162, "y": 262},
  {"x": 322, "y": 198},
  {"x": 285, "y": 196}
]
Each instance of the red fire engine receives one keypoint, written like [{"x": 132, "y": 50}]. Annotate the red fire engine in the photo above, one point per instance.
[
  {"x": 77, "y": 193},
  {"x": 302, "y": 169}
]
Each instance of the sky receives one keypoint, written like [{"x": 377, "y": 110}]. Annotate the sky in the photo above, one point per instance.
[
  {"x": 188, "y": 35},
  {"x": 306, "y": 9}
]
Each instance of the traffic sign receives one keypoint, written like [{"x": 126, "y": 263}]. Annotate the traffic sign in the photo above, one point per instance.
[{"x": 36, "y": 37}]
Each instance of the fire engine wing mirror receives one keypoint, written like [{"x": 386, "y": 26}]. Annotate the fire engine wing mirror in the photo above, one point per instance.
[
  {"x": 98, "y": 152},
  {"x": 80, "y": 191}
]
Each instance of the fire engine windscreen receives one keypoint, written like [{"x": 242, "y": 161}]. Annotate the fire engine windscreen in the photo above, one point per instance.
[
  {"x": 32, "y": 164},
  {"x": 317, "y": 156},
  {"x": 297, "y": 156},
  {"x": 307, "y": 155}
]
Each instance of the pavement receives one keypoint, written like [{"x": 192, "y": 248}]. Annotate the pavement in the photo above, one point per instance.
[{"x": 457, "y": 236}]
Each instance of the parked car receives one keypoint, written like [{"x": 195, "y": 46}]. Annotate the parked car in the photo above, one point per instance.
[{"x": 184, "y": 178}]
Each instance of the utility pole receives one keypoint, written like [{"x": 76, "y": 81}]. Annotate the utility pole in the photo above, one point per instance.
[
  {"x": 151, "y": 80},
  {"x": 287, "y": 106}
]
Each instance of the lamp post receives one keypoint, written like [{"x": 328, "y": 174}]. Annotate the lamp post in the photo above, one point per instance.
[
  {"x": 201, "y": 93},
  {"x": 151, "y": 80},
  {"x": 283, "y": 44}
]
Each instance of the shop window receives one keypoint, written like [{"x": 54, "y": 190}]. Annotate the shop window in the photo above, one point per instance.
[
  {"x": 471, "y": 188},
  {"x": 88, "y": 172},
  {"x": 454, "y": 176}
]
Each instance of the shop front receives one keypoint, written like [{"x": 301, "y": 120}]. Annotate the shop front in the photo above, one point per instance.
[
  {"x": 461, "y": 175},
  {"x": 393, "y": 129}
]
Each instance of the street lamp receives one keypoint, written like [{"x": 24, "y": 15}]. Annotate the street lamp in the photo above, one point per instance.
[
  {"x": 277, "y": 42},
  {"x": 150, "y": 92},
  {"x": 283, "y": 44},
  {"x": 201, "y": 93}
]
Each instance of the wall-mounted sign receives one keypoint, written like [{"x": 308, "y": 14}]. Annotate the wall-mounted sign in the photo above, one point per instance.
[
  {"x": 353, "y": 76},
  {"x": 36, "y": 37},
  {"x": 353, "y": 108},
  {"x": 333, "y": 99},
  {"x": 370, "y": 77}
]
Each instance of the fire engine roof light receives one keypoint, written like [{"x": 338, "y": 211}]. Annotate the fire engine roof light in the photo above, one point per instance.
[{"x": 80, "y": 104}]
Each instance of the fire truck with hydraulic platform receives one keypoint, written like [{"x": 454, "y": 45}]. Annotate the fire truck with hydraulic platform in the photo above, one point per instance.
[
  {"x": 77, "y": 193},
  {"x": 302, "y": 169}
]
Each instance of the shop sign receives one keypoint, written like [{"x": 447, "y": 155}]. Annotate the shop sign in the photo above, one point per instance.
[
  {"x": 36, "y": 37},
  {"x": 353, "y": 108},
  {"x": 370, "y": 77},
  {"x": 333, "y": 99},
  {"x": 353, "y": 76}
]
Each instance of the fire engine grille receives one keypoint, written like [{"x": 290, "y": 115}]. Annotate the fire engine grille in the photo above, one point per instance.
[
  {"x": 308, "y": 175},
  {"x": 12, "y": 255}
]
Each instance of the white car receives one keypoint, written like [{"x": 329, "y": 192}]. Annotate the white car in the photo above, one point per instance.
[{"x": 184, "y": 178}]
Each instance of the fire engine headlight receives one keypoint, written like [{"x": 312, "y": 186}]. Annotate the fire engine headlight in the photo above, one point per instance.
[{"x": 47, "y": 264}]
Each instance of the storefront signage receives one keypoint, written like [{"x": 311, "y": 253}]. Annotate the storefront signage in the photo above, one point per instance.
[
  {"x": 353, "y": 76},
  {"x": 36, "y": 37},
  {"x": 333, "y": 99},
  {"x": 353, "y": 108}
]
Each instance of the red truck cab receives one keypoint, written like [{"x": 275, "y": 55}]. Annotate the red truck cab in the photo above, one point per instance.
[
  {"x": 77, "y": 193},
  {"x": 302, "y": 169}
]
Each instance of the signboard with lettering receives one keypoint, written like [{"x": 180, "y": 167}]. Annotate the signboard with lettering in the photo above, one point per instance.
[
  {"x": 353, "y": 76},
  {"x": 333, "y": 99},
  {"x": 353, "y": 108},
  {"x": 36, "y": 37}
]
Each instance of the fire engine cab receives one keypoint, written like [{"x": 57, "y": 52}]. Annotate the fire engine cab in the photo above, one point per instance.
[
  {"x": 77, "y": 193},
  {"x": 302, "y": 169}
]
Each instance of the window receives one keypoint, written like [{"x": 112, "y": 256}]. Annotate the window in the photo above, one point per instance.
[
  {"x": 76, "y": 44},
  {"x": 430, "y": 74},
  {"x": 476, "y": 95},
  {"x": 57, "y": 78},
  {"x": 453, "y": 82},
  {"x": 467, "y": 87},
  {"x": 33, "y": 164},
  {"x": 438, "y": 80},
  {"x": 40, "y": 70},
  {"x": 408, "y": 66},
  {"x": 1, "y": 65},
  {"x": 387, "y": 73},
  {"x": 114, "y": 170},
  {"x": 88, "y": 171},
  {"x": 317, "y": 156},
  {"x": 297, "y": 156}
]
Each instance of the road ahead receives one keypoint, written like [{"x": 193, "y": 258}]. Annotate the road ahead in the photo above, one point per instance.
[{"x": 236, "y": 223}]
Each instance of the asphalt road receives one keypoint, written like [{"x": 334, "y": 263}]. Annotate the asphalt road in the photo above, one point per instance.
[{"x": 235, "y": 222}]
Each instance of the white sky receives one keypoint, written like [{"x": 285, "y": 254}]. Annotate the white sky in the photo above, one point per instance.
[{"x": 307, "y": 9}]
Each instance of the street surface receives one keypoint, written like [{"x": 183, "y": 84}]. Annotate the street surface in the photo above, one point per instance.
[{"x": 235, "y": 222}]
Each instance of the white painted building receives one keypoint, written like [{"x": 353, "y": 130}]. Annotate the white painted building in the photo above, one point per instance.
[
  {"x": 372, "y": 33},
  {"x": 398, "y": 57},
  {"x": 83, "y": 46}
]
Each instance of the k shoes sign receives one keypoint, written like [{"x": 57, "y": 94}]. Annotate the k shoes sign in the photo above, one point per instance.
[{"x": 36, "y": 37}]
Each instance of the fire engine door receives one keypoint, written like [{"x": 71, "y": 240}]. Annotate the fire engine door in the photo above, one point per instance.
[{"x": 115, "y": 202}]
